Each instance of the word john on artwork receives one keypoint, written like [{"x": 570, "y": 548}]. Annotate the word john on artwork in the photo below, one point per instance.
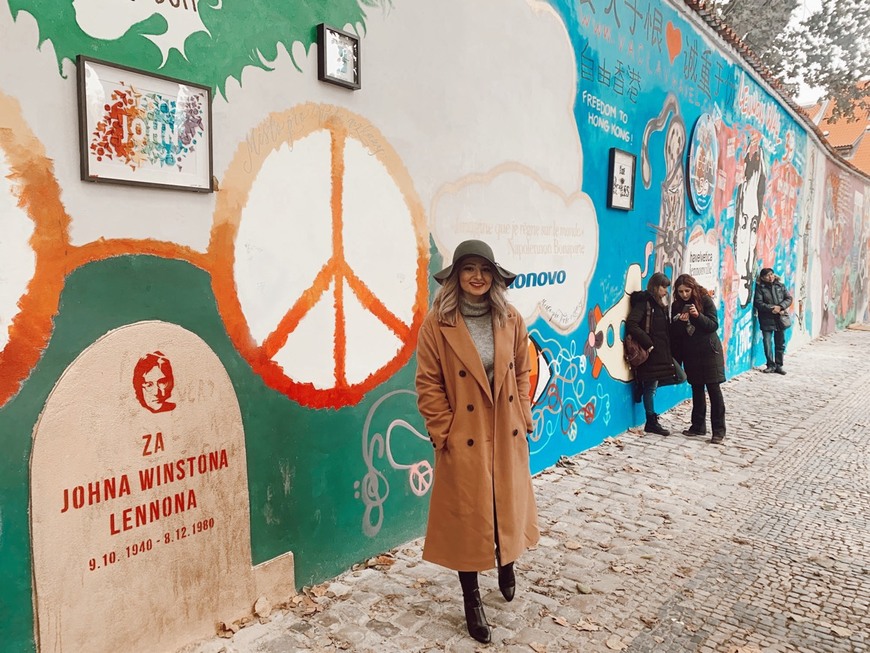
[{"x": 141, "y": 129}]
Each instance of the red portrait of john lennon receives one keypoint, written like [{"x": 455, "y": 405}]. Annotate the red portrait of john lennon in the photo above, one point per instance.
[{"x": 153, "y": 382}]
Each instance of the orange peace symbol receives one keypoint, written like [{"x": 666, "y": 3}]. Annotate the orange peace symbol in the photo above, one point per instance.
[{"x": 282, "y": 130}]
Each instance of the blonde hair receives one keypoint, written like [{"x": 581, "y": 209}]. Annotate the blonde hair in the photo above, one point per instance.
[{"x": 446, "y": 302}]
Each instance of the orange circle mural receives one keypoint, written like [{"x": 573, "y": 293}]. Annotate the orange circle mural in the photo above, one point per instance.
[
  {"x": 280, "y": 132},
  {"x": 32, "y": 181}
]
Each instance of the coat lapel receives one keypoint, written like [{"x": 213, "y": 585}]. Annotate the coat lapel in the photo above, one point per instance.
[{"x": 459, "y": 340}]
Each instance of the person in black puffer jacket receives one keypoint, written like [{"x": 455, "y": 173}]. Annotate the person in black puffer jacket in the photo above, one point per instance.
[
  {"x": 660, "y": 368},
  {"x": 771, "y": 299},
  {"x": 697, "y": 346}
]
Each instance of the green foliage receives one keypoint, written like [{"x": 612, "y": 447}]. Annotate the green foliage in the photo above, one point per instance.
[
  {"x": 240, "y": 34},
  {"x": 828, "y": 50}
]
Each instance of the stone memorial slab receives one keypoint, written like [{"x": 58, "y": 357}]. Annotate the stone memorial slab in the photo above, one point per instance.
[{"x": 139, "y": 497}]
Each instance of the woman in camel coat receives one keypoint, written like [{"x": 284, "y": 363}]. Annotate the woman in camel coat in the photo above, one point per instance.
[{"x": 473, "y": 386}]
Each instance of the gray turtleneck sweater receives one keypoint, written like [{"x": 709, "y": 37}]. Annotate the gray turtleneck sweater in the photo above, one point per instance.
[{"x": 478, "y": 319}]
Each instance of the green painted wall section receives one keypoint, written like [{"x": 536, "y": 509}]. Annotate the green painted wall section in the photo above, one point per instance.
[
  {"x": 319, "y": 517},
  {"x": 239, "y": 34}
]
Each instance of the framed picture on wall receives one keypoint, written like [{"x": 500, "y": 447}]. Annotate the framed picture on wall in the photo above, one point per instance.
[
  {"x": 620, "y": 180},
  {"x": 143, "y": 129},
  {"x": 338, "y": 57}
]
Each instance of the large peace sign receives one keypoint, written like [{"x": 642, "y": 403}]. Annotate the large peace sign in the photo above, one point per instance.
[{"x": 321, "y": 255}]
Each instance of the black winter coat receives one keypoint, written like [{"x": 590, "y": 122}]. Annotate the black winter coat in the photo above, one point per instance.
[
  {"x": 768, "y": 295},
  {"x": 660, "y": 364},
  {"x": 701, "y": 352}
]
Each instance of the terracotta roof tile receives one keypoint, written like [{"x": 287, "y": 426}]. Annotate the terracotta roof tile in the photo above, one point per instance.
[
  {"x": 861, "y": 159},
  {"x": 843, "y": 132}
]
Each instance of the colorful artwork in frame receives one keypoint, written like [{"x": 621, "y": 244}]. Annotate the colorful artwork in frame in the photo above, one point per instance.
[
  {"x": 703, "y": 163},
  {"x": 338, "y": 57},
  {"x": 143, "y": 129}
]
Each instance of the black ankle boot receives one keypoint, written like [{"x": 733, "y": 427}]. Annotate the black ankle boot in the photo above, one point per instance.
[
  {"x": 653, "y": 425},
  {"x": 507, "y": 582},
  {"x": 718, "y": 436},
  {"x": 475, "y": 619}
]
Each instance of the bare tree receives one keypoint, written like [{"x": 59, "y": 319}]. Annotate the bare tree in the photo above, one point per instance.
[{"x": 828, "y": 50}]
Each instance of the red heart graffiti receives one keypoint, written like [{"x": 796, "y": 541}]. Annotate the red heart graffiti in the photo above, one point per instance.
[{"x": 675, "y": 41}]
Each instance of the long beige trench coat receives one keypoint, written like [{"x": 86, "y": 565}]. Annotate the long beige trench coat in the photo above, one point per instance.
[{"x": 481, "y": 451}]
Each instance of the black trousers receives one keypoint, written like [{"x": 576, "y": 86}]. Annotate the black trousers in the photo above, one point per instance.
[{"x": 699, "y": 407}]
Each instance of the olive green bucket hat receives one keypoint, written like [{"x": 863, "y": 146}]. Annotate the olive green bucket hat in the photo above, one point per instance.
[{"x": 474, "y": 248}]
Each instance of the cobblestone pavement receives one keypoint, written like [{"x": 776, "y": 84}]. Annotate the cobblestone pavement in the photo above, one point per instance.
[{"x": 655, "y": 544}]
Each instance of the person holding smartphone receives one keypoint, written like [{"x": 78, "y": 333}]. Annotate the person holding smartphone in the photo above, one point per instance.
[
  {"x": 697, "y": 346},
  {"x": 660, "y": 368}
]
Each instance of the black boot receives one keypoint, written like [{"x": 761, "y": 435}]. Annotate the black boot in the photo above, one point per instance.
[
  {"x": 695, "y": 430},
  {"x": 718, "y": 436},
  {"x": 507, "y": 582},
  {"x": 653, "y": 425},
  {"x": 475, "y": 619}
]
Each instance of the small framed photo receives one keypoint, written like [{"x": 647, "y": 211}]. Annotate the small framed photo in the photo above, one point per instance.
[
  {"x": 338, "y": 57},
  {"x": 620, "y": 180},
  {"x": 143, "y": 129}
]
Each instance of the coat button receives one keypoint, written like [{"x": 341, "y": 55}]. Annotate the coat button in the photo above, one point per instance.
[
  {"x": 511, "y": 366},
  {"x": 511, "y": 398},
  {"x": 470, "y": 443},
  {"x": 461, "y": 372},
  {"x": 516, "y": 432},
  {"x": 433, "y": 446},
  {"x": 470, "y": 407}
]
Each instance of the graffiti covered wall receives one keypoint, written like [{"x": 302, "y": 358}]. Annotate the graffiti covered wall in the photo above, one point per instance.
[{"x": 229, "y": 375}]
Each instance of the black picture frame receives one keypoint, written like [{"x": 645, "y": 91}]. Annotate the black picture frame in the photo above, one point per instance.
[
  {"x": 620, "y": 180},
  {"x": 338, "y": 57},
  {"x": 111, "y": 152}
]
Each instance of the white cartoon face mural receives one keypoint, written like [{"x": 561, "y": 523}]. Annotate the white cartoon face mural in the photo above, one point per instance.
[
  {"x": 671, "y": 228},
  {"x": 747, "y": 218},
  {"x": 675, "y": 145}
]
